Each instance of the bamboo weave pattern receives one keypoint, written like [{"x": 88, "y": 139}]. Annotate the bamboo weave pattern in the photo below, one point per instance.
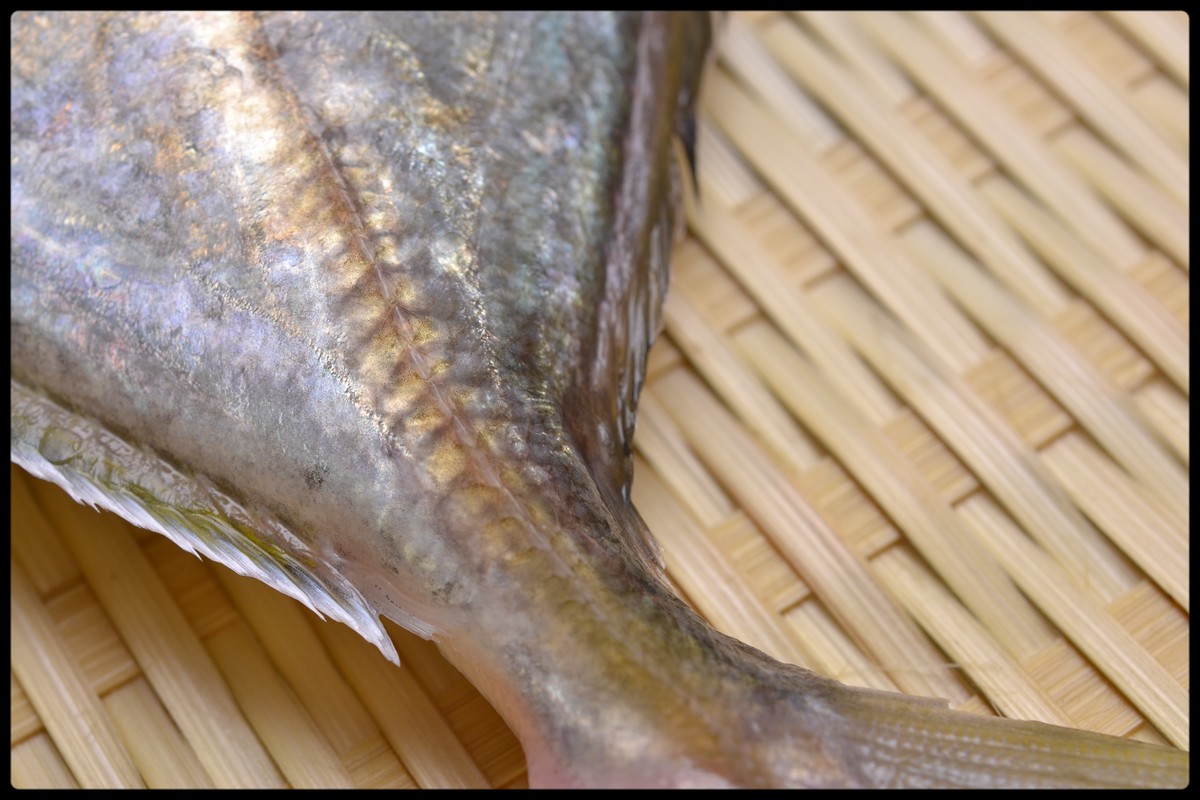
[{"x": 919, "y": 421}]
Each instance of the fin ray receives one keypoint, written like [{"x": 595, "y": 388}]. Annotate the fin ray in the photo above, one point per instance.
[{"x": 102, "y": 470}]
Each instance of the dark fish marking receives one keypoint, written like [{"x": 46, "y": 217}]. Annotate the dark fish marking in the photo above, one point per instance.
[{"x": 315, "y": 478}]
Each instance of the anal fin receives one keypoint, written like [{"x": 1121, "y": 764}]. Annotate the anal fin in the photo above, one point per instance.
[{"x": 103, "y": 470}]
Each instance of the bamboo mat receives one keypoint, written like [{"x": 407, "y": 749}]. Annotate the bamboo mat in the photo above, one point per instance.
[{"x": 925, "y": 380}]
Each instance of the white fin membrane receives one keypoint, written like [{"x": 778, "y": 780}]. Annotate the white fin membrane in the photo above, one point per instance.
[{"x": 103, "y": 470}]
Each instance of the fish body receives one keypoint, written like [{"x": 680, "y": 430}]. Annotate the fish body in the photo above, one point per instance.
[{"x": 359, "y": 305}]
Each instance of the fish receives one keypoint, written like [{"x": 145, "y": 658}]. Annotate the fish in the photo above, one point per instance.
[{"x": 359, "y": 305}]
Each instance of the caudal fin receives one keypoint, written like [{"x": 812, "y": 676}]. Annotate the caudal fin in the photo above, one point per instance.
[{"x": 904, "y": 741}]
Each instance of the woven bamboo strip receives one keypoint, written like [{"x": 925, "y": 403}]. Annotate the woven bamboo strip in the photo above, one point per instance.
[
  {"x": 851, "y": 42},
  {"x": 94, "y": 643},
  {"x": 1163, "y": 38},
  {"x": 175, "y": 662},
  {"x": 919, "y": 164},
  {"x": 836, "y": 574},
  {"x": 754, "y": 556},
  {"x": 162, "y": 755},
  {"x": 992, "y": 451},
  {"x": 1023, "y": 404},
  {"x": 1167, "y": 411},
  {"x": 929, "y": 261},
  {"x": 1130, "y": 71},
  {"x": 741, "y": 52},
  {"x": 958, "y": 36},
  {"x": 885, "y": 474},
  {"x": 733, "y": 381},
  {"x": 1099, "y": 343},
  {"x": 851, "y": 232},
  {"x": 493, "y": 747},
  {"x": 1161, "y": 100},
  {"x": 759, "y": 273},
  {"x": 72, "y": 714},
  {"x": 1003, "y": 134},
  {"x": 1169, "y": 285},
  {"x": 1159, "y": 626},
  {"x": 1109, "y": 646},
  {"x": 282, "y": 628},
  {"x": 411, "y": 723},
  {"x": 1101, "y": 409},
  {"x": 1092, "y": 97},
  {"x": 662, "y": 444},
  {"x": 37, "y": 765},
  {"x": 23, "y": 720},
  {"x": 836, "y": 655},
  {"x": 712, "y": 288},
  {"x": 1112, "y": 291},
  {"x": 1001, "y": 678},
  {"x": 1109, "y": 497},
  {"x": 1083, "y": 692},
  {"x": 725, "y": 176},
  {"x": 1162, "y": 220},
  {"x": 286, "y": 729},
  {"x": 719, "y": 591},
  {"x": 35, "y": 544},
  {"x": 1094, "y": 41}
]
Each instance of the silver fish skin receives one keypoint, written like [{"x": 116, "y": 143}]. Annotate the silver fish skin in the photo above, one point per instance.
[{"x": 358, "y": 304}]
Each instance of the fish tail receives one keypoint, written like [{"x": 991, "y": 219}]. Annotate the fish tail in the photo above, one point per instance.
[{"x": 914, "y": 742}]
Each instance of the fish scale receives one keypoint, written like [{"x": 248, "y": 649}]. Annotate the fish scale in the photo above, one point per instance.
[{"x": 359, "y": 305}]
